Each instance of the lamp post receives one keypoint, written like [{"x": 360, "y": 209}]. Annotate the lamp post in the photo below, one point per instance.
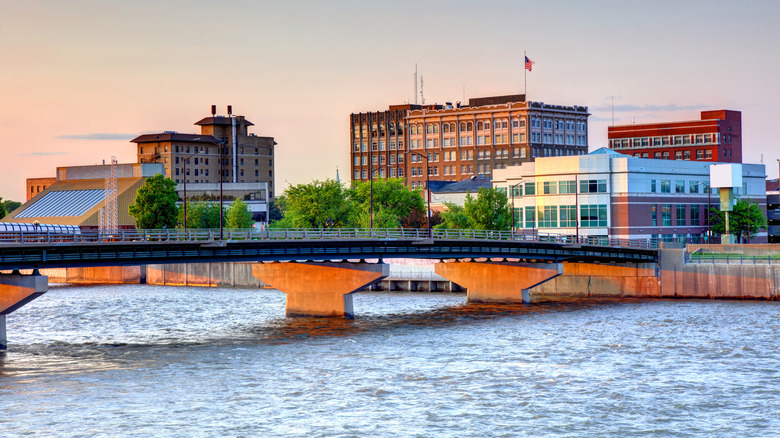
[
  {"x": 185, "y": 189},
  {"x": 709, "y": 219},
  {"x": 427, "y": 188},
  {"x": 221, "y": 145}
]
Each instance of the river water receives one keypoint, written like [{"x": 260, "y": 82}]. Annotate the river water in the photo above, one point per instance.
[{"x": 136, "y": 360}]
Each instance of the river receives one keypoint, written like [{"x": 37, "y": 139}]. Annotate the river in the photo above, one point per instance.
[{"x": 141, "y": 360}]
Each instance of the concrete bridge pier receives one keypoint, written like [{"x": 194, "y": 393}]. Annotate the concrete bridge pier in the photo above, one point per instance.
[
  {"x": 320, "y": 289},
  {"x": 16, "y": 290},
  {"x": 498, "y": 282}
]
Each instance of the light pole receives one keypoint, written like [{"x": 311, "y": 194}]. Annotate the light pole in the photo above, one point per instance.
[
  {"x": 221, "y": 145},
  {"x": 185, "y": 189},
  {"x": 427, "y": 188}
]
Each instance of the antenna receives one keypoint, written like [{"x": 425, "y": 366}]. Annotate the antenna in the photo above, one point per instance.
[
  {"x": 464, "y": 93},
  {"x": 613, "y": 110},
  {"x": 415, "y": 83},
  {"x": 422, "y": 96}
]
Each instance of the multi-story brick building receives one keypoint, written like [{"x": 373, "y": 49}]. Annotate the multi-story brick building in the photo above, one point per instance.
[
  {"x": 461, "y": 141},
  {"x": 246, "y": 158},
  {"x": 606, "y": 194},
  {"x": 716, "y": 137}
]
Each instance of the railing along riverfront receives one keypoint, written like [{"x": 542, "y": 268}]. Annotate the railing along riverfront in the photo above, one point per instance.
[
  {"x": 206, "y": 235},
  {"x": 732, "y": 259}
]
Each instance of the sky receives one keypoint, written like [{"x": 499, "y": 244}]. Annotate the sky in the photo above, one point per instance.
[{"x": 79, "y": 79}]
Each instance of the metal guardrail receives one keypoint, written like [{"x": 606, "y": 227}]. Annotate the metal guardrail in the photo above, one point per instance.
[
  {"x": 732, "y": 259},
  {"x": 207, "y": 235}
]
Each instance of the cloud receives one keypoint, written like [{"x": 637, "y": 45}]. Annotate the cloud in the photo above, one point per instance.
[
  {"x": 40, "y": 154},
  {"x": 649, "y": 108},
  {"x": 99, "y": 136}
]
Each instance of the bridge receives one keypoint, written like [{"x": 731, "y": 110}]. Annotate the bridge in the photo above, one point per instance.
[{"x": 320, "y": 269}]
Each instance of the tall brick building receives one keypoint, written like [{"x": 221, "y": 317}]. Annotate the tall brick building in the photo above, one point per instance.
[
  {"x": 461, "y": 141},
  {"x": 246, "y": 157},
  {"x": 716, "y": 137}
]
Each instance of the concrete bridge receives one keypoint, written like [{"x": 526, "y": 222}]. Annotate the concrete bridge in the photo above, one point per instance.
[{"x": 320, "y": 269}]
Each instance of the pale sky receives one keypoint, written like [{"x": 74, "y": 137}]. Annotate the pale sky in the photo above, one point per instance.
[{"x": 79, "y": 79}]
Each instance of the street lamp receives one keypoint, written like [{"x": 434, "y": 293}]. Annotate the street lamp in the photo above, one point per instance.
[
  {"x": 185, "y": 188},
  {"x": 427, "y": 188}
]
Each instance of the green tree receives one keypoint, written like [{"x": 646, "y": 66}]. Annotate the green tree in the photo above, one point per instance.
[
  {"x": 393, "y": 203},
  {"x": 455, "y": 216},
  {"x": 10, "y": 206},
  {"x": 155, "y": 204},
  {"x": 746, "y": 217},
  {"x": 2, "y": 208},
  {"x": 238, "y": 215},
  {"x": 315, "y": 205},
  {"x": 489, "y": 211},
  {"x": 200, "y": 215}
]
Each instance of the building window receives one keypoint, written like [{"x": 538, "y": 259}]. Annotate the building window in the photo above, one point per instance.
[
  {"x": 530, "y": 189},
  {"x": 666, "y": 215},
  {"x": 652, "y": 186},
  {"x": 568, "y": 215},
  {"x": 530, "y": 217},
  {"x": 695, "y": 208},
  {"x": 666, "y": 155},
  {"x": 678, "y": 155},
  {"x": 548, "y": 188},
  {"x": 654, "y": 215},
  {"x": 548, "y": 216},
  {"x": 593, "y": 186},
  {"x": 680, "y": 214},
  {"x": 666, "y": 186},
  {"x": 566, "y": 187},
  {"x": 679, "y": 186},
  {"x": 686, "y": 155},
  {"x": 693, "y": 187},
  {"x": 593, "y": 216}
]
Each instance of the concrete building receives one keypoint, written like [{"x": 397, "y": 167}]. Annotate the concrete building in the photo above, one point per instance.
[
  {"x": 717, "y": 137},
  {"x": 455, "y": 192},
  {"x": 607, "y": 194},
  {"x": 458, "y": 141},
  {"x": 79, "y": 192}
]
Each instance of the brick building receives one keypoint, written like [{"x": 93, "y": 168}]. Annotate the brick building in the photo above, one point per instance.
[
  {"x": 246, "y": 157},
  {"x": 716, "y": 137},
  {"x": 461, "y": 141}
]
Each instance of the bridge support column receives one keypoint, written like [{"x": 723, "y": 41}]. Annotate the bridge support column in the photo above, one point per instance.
[
  {"x": 498, "y": 282},
  {"x": 16, "y": 290},
  {"x": 320, "y": 289}
]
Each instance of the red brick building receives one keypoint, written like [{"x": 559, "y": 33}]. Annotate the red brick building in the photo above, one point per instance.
[
  {"x": 716, "y": 137},
  {"x": 457, "y": 142}
]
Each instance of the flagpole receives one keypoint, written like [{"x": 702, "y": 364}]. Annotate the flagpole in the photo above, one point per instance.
[{"x": 525, "y": 72}]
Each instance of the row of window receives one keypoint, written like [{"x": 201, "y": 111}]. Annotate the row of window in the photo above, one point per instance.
[
  {"x": 701, "y": 154},
  {"x": 557, "y": 187},
  {"x": 561, "y": 216},
  {"x": 697, "y": 213},
  {"x": 393, "y": 173},
  {"x": 378, "y": 145},
  {"x": 670, "y": 140}
]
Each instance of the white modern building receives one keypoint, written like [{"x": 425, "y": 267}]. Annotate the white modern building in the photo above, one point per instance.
[{"x": 608, "y": 194}]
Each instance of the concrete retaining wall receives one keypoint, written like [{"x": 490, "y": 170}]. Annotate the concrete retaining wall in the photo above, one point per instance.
[
  {"x": 717, "y": 281},
  {"x": 581, "y": 280}
]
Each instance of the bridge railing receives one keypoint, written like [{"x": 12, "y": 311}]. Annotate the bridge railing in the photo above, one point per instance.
[
  {"x": 732, "y": 259},
  {"x": 206, "y": 235}
]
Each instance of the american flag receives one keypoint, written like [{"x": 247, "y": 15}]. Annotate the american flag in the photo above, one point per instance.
[{"x": 528, "y": 64}]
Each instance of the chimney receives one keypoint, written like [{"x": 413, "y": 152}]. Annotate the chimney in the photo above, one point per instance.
[
  {"x": 213, "y": 110},
  {"x": 230, "y": 110}
]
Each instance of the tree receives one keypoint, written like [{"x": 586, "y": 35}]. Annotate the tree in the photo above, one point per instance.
[
  {"x": 238, "y": 215},
  {"x": 9, "y": 206},
  {"x": 200, "y": 215},
  {"x": 2, "y": 209},
  {"x": 489, "y": 211},
  {"x": 393, "y": 203},
  {"x": 155, "y": 204},
  {"x": 315, "y": 205},
  {"x": 746, "y": 217},
  {"x": 455, "y": 216}
]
